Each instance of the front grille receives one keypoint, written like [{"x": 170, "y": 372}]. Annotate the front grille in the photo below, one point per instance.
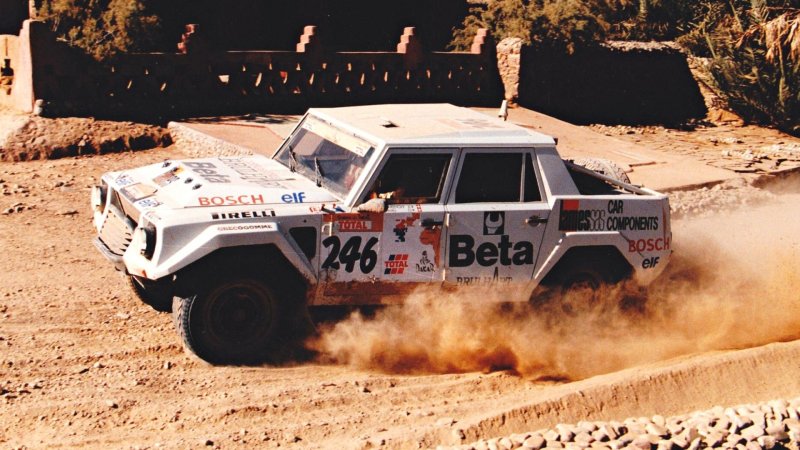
[{"x": 116, "y": 233}]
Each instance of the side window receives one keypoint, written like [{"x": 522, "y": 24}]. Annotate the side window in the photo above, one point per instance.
[
  {"x": 412, "y": 178},
  {"x": 532, "y": 193},
  {"x": 490, "y": 177}
]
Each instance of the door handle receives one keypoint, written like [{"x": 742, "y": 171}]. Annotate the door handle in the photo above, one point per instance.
[
  {"x": 430, "y": 223},
  {"x": 535, "y": 220}
]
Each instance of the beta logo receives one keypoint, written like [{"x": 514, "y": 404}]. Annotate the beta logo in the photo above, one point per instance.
[
  {"x": 208, "y": 172},
  {"x": 494, "y": 223},
  {"x": 464, "y": 254},
  {"x": 396, "y": 265},
  {"x": 294, "y": 197}
]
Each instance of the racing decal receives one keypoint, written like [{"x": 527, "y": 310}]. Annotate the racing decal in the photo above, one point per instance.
[
  {"x": 252, "y": 173},
  {"x": 425, "y": 265},
  {"x": 463, "y": 253},
  {"x": 123, "y": 180},
  {"x": 650, "y": 263},
  {"x": 649, "y": 245},
  {"x": 208, "y": 172},
  {"x": 494, "y": 279},
  {"x": 396, "y": 265},
  {"x": 572, "y": 217},
  {"x": 168, "y": 177},
  {"x": 346, "y": 255},
  {"x": 249, "y": 227},
  {"x": 494, "y": 223},
  {"x": 432, "y": 237},
  {"x": 356, "y": 222},
  {"x": 243, "y": 215},
  {"x": 401, "y": 227},
  {"x": 137, "y": 192},
  {"x": 231, "y": 200},
  {"x": 149, "y": 202},
  {"x": 294, "y": 197}
]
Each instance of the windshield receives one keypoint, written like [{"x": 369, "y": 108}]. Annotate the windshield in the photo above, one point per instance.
[{"x": 330, "y": 156}]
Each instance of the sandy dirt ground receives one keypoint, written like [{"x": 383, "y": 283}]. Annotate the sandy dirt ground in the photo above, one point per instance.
[{"x": 83, "y": 364}]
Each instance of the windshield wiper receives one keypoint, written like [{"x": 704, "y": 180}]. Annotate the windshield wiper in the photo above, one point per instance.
[
  {"x": 318, "y": 169},
  {"x": 293, "y": 156}
]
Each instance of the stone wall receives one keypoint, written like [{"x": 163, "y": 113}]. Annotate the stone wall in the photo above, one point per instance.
[
  {"x": 618, "y": 83},
  {"x": 8, "y": 55},
  {"x": 198, "y": 81}
]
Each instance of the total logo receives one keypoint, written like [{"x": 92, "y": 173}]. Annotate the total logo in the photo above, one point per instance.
[{"x": 396, "y": 265}]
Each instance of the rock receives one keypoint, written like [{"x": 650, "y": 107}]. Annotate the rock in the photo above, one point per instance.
[
  {"x": 752, "y": 432},
  {"x": 535, "y": 442}
]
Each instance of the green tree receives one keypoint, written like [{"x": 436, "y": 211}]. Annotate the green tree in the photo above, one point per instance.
[
  {"x": 753, "y": 50},
  {"x": 564, "y": 24},
  {"x": 102, "y": 28}
]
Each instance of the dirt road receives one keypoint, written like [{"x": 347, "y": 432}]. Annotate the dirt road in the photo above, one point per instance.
[{"x": 84, "y": 364}]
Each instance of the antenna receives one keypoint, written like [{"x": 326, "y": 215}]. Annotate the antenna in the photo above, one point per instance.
[{"x": 503, "y": 110}]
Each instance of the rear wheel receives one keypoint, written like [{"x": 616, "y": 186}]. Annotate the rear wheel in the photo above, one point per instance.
[{"x": 231, "y": 321}]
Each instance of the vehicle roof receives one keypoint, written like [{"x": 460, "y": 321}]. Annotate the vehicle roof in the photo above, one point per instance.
[{"x": 429, "y": 123}]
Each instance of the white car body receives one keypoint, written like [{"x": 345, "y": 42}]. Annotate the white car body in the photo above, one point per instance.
[{"x": 186, "y": 210}]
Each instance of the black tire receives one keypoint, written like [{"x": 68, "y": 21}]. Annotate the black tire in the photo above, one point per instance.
[
  {"x": 606, "y": 167},
  {"x": 156, "y": 295},
  {"x": 572, "y": 292},
  {"x": 232, "y": 321}
]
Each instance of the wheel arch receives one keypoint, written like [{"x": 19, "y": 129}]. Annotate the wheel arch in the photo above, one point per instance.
[
  {"x": 265, "y": 260},
  {"x": 607, "y": 258}
]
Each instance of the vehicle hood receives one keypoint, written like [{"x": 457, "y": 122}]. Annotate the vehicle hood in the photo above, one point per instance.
[{"x": 215, "y": 182}]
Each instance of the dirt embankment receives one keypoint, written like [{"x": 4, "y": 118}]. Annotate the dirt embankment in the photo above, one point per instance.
[
  {"x": 32, "y": 138},
  {"x": 85, "y": 364}
]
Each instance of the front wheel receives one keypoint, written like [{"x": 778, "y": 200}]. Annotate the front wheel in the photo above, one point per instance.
[
  {"x": 157, "y": 294},
  {"x": 233, "y": 321}
]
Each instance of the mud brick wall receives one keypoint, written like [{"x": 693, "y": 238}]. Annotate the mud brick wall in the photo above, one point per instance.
[
  {"x": 625, "y": 83},
  {"x": 198, "y": 81}
]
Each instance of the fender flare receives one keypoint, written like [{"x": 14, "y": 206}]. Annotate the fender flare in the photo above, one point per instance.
[
  {"x": 216, "y": 237},
  {"x": 583, "y": 240}
]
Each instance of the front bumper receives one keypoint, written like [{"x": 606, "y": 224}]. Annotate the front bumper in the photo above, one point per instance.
[{"x": 115, "y": 259}]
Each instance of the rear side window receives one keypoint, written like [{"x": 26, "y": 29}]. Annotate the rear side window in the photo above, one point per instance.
[{"x": 490, "y": 177}]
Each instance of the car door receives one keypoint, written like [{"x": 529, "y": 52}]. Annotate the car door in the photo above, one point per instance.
[
  {"x": 401, "y": 247},
  {"x": 497, "y": 217}
]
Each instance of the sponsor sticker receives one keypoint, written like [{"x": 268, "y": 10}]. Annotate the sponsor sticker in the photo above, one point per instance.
[
  {"x": 168, "y": 177},
  {"x": 356, "y": 222},
  {"x": 149, "y": 202},
  {"x": 137, "y": 192},
  {"x": 396, "y": 265},
  {"x": 249, "y": 227},
  {"x": 231, "y": 200},
  {"x": 574, "y": 218},
  {"x": 494, "y": 223},
  {"x": 208, "y": 172},
  {"x": 123, "y": 180},
  {"x": 425, "y": 265},
  {"x": 242, "y": 215}
]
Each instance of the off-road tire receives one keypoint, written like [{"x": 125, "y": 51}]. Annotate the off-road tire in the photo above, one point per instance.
[
  {"x": 604, "y": 166},
  {"x": 232, "y": 320},
  {"x": 153, "y": 296}
]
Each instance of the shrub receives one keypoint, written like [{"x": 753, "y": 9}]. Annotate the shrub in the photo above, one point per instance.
[
  {"x": 563, "y": 24},
  {"x": 102, "y": 28},
  {"x": 755, "y": 63}
]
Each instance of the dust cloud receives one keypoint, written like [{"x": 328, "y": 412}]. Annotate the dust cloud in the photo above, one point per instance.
[{"x": 733, "y": 282}]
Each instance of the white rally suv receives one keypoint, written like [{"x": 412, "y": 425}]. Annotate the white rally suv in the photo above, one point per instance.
[{"x": 360, "y": 206}]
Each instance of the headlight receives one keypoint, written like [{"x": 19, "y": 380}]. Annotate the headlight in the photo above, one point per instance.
[
  {"x": 144, "y": 238},
  {"x": 99, "y": 194}
]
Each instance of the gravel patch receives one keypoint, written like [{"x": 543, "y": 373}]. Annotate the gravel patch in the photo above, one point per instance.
[{"x": 768, "y": 425}]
